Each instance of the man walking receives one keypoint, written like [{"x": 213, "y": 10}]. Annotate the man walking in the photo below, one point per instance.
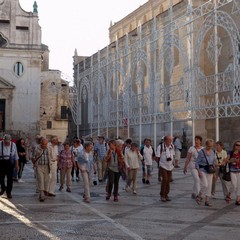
[
  {"x": 53, "y": 157},
  {"x": 41, "y": 161},
  {"x": 8, "y": 161},
  {"x": 165, "y": 153},
  {"x": 100, "y": 154}
]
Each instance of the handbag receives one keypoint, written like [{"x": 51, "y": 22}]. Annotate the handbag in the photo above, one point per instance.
[
  {"x": 209, "y": 168},
  {"x": 226, "y": 174}
]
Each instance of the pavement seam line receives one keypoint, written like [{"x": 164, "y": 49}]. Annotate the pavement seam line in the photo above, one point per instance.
[{"x": 110, "y": 220}]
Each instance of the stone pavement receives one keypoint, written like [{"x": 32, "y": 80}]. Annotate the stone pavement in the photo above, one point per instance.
[{"x": 140, "y": 216}]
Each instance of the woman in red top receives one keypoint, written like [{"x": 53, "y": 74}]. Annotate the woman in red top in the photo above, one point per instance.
[
  {"x": 234, "y": 160},
  {"x": 66, "y": 163}
]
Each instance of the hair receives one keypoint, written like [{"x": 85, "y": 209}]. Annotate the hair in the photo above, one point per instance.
[
  {"x": 18, "y": 143},
  {"x": 147, "y": 139},
  {"x": 53, "y": 137},
  {"x": 166, "y": 137},
  {"x": 86, "y": 144},
  {"x": 209, "y": 141},
  {"x": 112, "y": 141},
  {"x": 128, "y": 141},
  {"x": 220, "y": 143},
  {"x": 134, "y": 144},
  {"x": 198, "y": 137},
  {"x": 43, "y": 139},
  {"x": 238, "y": 141},
  {"x": 76, "y": 140},
  {"x": 119, "y": 142}
]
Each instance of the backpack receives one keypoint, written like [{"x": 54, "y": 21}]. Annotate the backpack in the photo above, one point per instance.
[{"x": 161, "y": 149}]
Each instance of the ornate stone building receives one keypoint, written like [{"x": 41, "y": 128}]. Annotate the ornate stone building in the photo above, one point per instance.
[
  {"x": 24, "y": 65},
  {"x": 172, "y": 66}
]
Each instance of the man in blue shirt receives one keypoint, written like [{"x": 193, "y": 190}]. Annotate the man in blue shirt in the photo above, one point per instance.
[{"x": 100, "y": 154}]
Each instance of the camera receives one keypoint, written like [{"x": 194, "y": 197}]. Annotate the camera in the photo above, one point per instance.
[{"x": 169, "y": 159}]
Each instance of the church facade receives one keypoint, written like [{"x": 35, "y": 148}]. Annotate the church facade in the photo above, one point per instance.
[{"x": 24, "y": 67}]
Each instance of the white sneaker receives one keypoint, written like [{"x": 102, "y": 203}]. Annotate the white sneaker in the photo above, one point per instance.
[
  {"x": 134, "y": 192},
  {"x": 127, "y": 189},
  {"x": 20, "y": 180}
]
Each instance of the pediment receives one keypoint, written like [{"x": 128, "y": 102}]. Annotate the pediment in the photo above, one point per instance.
[{"x": 4, "y": 84}]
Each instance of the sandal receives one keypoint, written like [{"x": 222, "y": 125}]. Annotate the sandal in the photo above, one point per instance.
[
  {"x": 207, "y": 204},
  {"x": 228, "y": 197},
  {"x": 198, "y": 200}
]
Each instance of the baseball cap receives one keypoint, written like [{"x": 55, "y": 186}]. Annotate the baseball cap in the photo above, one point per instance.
[{"x": 7, "y": 138}]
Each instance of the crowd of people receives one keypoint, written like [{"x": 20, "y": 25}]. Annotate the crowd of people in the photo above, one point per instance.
[{"x": 110, "y": 160}]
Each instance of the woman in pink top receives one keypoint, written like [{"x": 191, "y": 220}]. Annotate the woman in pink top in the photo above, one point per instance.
[{"x": 66, "y": 163}]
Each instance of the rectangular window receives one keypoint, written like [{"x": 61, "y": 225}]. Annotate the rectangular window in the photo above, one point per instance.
[
  {"x": 4, "y": 21},
  {"x": 49, "y": 124},
  {"x": 21, "y": 28},
  {"x": 63, "y": 112}
]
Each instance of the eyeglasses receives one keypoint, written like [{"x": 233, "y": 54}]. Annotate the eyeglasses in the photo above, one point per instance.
[{"x": 237, "y": 145}]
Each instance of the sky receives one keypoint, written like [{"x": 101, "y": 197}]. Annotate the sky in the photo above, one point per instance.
[{"x": 77, "y": 24}]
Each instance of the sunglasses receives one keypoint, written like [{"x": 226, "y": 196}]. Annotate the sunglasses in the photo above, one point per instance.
[{"x": 237, "y": 145}]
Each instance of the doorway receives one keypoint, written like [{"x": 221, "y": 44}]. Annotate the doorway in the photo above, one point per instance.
[{"x": 2, "y": 114}]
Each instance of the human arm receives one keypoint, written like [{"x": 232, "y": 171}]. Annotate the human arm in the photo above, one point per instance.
[
  {"x": 198, "y": 161},
  {"x": 126, "y": 160},
  {"x": 187, "y": 161}
]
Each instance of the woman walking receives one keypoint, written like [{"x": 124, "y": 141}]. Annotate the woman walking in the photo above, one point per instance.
[
  {"x": 66, "y": 163},
  {"x": 205, "y": 159},
  {"x": 86, "y": 166},
  {"x": 190, "y": 162},
  {"x": 220, "y": 164},
  {"x": 115, "y": 163},
  {"x": 234, "y": 160},
  {"x": 132, "y": 158},
  {"x": 22, "y": 157}
]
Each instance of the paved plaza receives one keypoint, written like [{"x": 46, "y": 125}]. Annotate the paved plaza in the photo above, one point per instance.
[{"x": 140, "y": 216}]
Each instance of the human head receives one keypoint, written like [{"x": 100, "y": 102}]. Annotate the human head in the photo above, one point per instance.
[
  {"x": 88, "y": 146},
  {"x": 209, "y": 144},
  {"x": 134, "y": 146},
  {"x": 54, "y": 140},
  {"x": 76, "y": 142},
  {"x": 168, "y": 140},
  {"x": 112, "y": 144},
  {"x": 198, "y": 141},
  {"x": 20, "y": 142},
  {"x": 44, "y": 143},
  {"x": 147, "y": 142},
  {"x": 128, "y": 142},
  {"x": 219, "y": 146},
  {"x": 66, "y": 145},
  {"x": 7, "y": 139},
  {"x": 119, "y": 144},
  {"x": 100, "y": 139},
  {"x": 236, "y": 146}
]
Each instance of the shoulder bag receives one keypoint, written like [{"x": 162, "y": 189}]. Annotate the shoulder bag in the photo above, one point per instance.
[{"x": 209, "y": 168}]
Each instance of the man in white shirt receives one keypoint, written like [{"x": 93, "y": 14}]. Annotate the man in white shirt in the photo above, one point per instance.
[
  {"x": 53, "y": 145},
  {"x": 148, "y": 154},
  {"x": 76, "y": 148},
  {"x": 165, "y": 153},
  {"x": 8, "y": 160}
]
